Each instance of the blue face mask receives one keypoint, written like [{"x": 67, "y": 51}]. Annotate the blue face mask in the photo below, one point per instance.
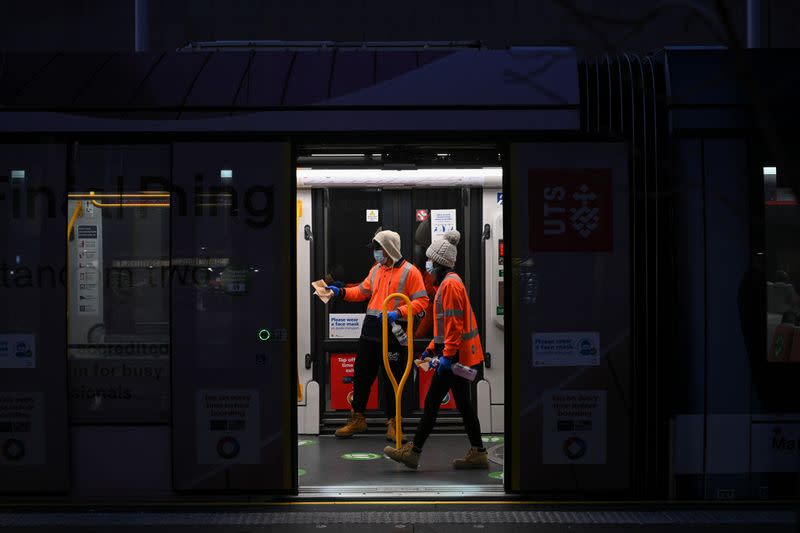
[
  {"x": 379, "y": 256},
  {"x": 429, "y": 266}
]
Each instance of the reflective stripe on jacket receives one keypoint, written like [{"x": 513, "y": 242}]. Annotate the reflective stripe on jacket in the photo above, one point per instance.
[
  {"x": 454, "y": 324},
  {"x": 382, "y": 281}
]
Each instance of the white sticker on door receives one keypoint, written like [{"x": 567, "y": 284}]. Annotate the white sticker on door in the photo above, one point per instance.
[
  {"x": 570, "y": 348},
  {"x": 345, "y": 325},
  {"x": 22, "y": 434},
  {"x": 373, "y": 215},
  {"x": 228, "y": 427},
  {"x": 574, "y": 427},
  {"x": 442, "y": 221},
  {"x": 17, "y": 351}
]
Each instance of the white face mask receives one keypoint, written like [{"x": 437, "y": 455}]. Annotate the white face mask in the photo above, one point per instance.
[
  {"x": 429, "y": 266},
  {"x": 379, "y": 256}
]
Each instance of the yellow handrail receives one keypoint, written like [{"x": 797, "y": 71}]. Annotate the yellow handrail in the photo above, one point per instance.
[
  {"x": 92, "y": 197},
  {"x": 92, "y": 194},
  {"x": 73, "y": 218},
  {"x": 299, "y": 385},
  {"x": 398, "y": 389},
  {"x": 98, "y": 204},
  {"x": 70, "y": 228}
]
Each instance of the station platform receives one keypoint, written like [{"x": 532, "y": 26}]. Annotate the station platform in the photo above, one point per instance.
[
  {"x": 348, "y": 485},
  {"x": 440, "y": 517}
]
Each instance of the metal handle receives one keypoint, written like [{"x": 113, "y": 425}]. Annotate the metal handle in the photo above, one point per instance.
[
  {"x": 398, "y": 388},
  {"x": 487, "y": 232}
]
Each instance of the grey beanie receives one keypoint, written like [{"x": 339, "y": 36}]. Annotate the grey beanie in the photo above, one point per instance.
[
  {"x": 390, "y": 242},
  {"x": 443, "y": 251}
]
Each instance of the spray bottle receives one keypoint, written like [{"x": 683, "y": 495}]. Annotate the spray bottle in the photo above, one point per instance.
[{"x": 459, "y": 370}]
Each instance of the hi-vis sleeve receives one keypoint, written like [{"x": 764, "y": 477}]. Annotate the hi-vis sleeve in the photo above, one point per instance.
[
  {"x": 364, "y": 289},
  {"x": 452, "y": 309},
  {"x": 416, "y": 292}
]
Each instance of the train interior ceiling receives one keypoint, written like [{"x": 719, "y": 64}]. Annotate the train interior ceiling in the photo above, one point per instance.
[{"x": 344, "y": 195}]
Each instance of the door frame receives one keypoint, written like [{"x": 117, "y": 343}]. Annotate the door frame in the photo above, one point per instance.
[{"x": 400, "y": 213}]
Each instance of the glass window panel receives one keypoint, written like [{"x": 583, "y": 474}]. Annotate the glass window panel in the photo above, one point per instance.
[{"x": 119, "y": 274}]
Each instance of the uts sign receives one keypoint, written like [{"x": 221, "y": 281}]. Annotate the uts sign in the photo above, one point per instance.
[{"x": 571, "y": 210}]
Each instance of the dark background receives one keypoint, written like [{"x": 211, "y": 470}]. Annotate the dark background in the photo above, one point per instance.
[{"x": 591, "y": 26}]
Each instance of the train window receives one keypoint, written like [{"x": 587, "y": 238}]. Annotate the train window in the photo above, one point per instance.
[
  {"x": 435, "y": 211},
  {"x": 782, "y": 216},
  {"x": 118, "y": 286},
  {"x": 354, "y": 217}
]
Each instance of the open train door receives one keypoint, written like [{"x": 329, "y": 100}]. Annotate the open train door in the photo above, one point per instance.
[
  {"x": 233, "y": 312},
  {"x": 569, "y": 338}
]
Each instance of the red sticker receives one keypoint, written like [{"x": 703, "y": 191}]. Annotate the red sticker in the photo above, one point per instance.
[
  {"x": 422, "y": 215},
  {"x": 342, "y": 374},
  {"x": 571, "y": 210},
  {"x": 425, "y": 379}
]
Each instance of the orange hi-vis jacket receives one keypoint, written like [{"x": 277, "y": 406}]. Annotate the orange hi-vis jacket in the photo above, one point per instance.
[
  {"x": 454, "y": 324},
  {"x": 402, "y": 277}
]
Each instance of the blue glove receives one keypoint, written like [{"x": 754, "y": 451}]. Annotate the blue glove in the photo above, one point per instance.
[
  {"x": 339, "y": 284},
  {"x": 335, "y": 290},
  {"x": 445, "y": 365},
  {"x": 427, "y": 353},
  {"x": 391, "y": 316}
]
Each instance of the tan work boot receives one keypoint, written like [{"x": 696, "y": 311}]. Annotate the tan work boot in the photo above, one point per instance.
[
  {"x": 473, "y": 459},
  {"x": 404, "y": 455},
  {"x": 391, "y": 431},
  {"x": 357, "y": 424}
]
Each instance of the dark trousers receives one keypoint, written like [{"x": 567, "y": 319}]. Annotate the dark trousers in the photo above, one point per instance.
[
  {"x": 369, "y": 362},
  {"x": 461, "y": 389}
]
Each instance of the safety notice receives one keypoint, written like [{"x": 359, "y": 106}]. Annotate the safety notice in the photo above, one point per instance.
[
  {"x": 88, "y": 272},
  {"x": 574, "y": 427},
  {"x": 345, "y": 325},
  {"x": 228, "y": 427},
  {"x": 22, "y": 438},
  {"x": 17, "y": 351},
  {"x": 234, "y": 280},
  {"x": 442, "y": 221},
  {"x": 566, "y": 349}
]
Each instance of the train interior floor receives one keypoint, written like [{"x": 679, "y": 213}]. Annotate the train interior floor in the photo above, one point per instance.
[{"x": 330, "y": 464}]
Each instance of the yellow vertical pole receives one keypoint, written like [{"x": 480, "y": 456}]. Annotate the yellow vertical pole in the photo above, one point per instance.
[
  {"x": 299, "y": 214},
  {"x": 398, "y": 388},
  {"x": 70, "y": 228}
]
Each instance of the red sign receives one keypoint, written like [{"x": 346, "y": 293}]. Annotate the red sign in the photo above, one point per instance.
[
  {"x": 424, "y": 380},
  {"x": 570, "y": 210},
  {"x": 342, "y": 372},
  {"x": 422, "y": 215},
  {"x": 782, "y": 343},
  {"x": 795, "y": 357}
]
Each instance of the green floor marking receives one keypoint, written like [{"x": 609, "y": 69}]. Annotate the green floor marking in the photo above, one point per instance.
[
  {"x": 493, "y": 439},
  {"x": 361, "y": 456},
  {"x": 301, "y": 472},
  {"x": 496, "y": 475},
  {"x": 306, "y": 442}
]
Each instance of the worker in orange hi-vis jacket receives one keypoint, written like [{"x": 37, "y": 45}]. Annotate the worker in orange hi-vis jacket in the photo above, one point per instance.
[
  {"x": 456, "y": 341},
  {"x": 390, "y": 274}
]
